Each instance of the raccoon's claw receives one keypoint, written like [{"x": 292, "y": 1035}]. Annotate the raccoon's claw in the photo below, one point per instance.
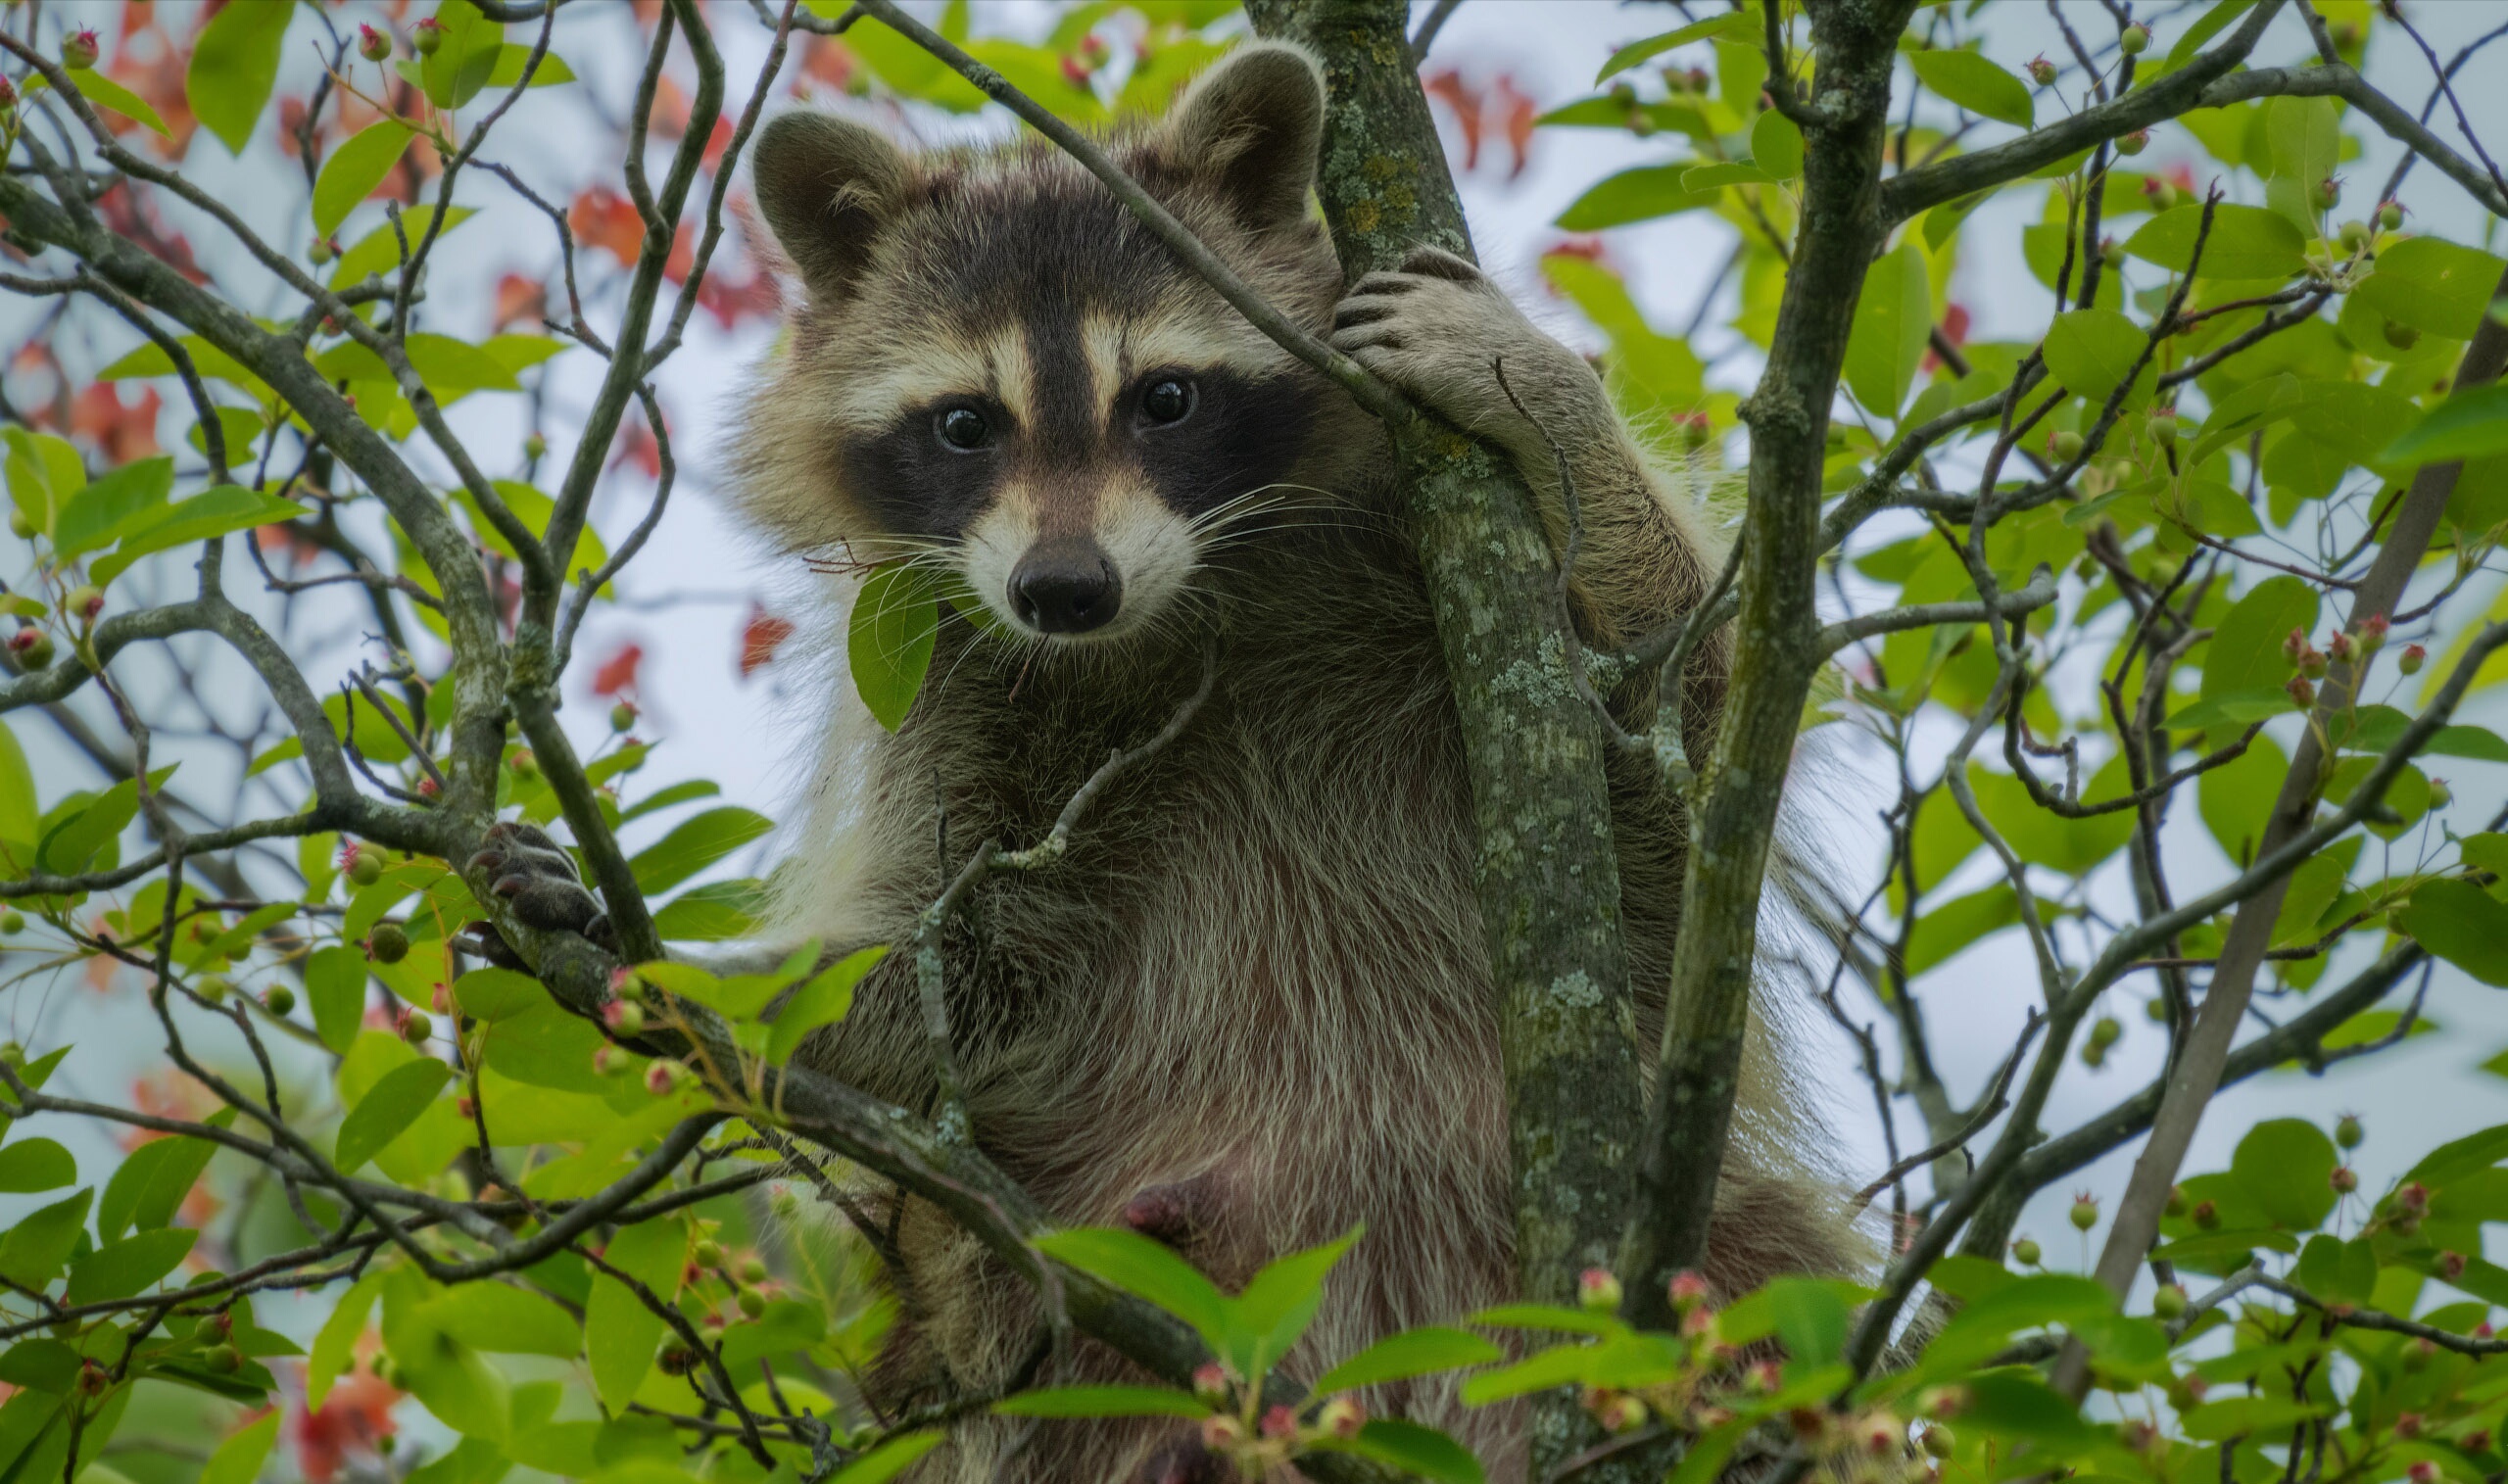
[
  {"x": 1438, "y": 329},
  {"x": 539, "y": 881}
]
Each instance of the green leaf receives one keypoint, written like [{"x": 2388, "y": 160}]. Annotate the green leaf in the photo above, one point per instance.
[
  {"x": 34, "y": 1250},
  {"x": 388, "y": 1109},
  {"x": 232, "y": 67},
  {"x": 19, "y": 816},
  {"x": 2434, "y": 286},
  {"x": 239, "y": 1460},
  {"x": 619, "y": 1334},
  {"x": 2247, "y": 647},
  {"x": 1740, "y": 25},
  {"x": 451, "y": 367},
  {"x": 1277, "y": 1304},
  {"x": 2236, "y": 799},
  {"x": 789, "y": 1325},
  {"x": 150, "y": 1186},
  {"x": 2471, "y": 423},
  {"x": 1642, "y": 194},
  {"x": 2304, "y": 138},
  {"x": 97, "y": 515},
  {"x": 2283, "y": 1166},
  {"x": 205, "y": 516},
  {"x": 335, "y": 1344},
  {"x": 497, "y": 994},
  {"x": 823, "y": 1001},
  {"x": 713, "y": 912},
  {"x": 105, "y": 92},
  {"x": 1892, "y": 321},
  {"x": 130, "y": 1265},
  {"x": 355, "y": 169},
  {"x": 890, "y": 1458},
  {"x": 2246, "y": 242},
  {"x": 1777, "y": 146},
  {"x": 467, "y": 59},
  {"x": 1103, "y": 1402},
  {"x": 379, "y": 251},
  {"x": 1412, "y": 1449},
  {"x": 506, "y": 1320},
  {"x": 1411, "y": 1352},
  {"x": 1146, "y": 1269},
  {"x": 335, "y": 987},
  {"x": 2460, "y": 923},
  {"x": 511, "y": 56},
  {"x": 31, "y": 1165},
  {"x": 1976, "y": 84},
  {"x": 695, "y": 843},
  {"x": 2092, "y": 352},
  {"x": 888, "y": 641}
]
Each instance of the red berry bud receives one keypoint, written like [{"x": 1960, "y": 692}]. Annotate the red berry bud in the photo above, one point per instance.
[
  {"x": 2134, "y": 143},
  {"x": 2451, "y": 1266},
  {"x": 79, "y": 50},
  {"x": 2409, "y": 661},
  {"x": 1278, "y": 1423},
  {"x": 2041, "y": 71},
  {"x": 426, "y": 38},
  {"x": 372, "y": 44},
  {"x": 2343, "y": 1179}
]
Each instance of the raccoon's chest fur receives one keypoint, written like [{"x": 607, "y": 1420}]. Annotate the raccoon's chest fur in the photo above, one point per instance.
[{"x": 1263, "y": 943}]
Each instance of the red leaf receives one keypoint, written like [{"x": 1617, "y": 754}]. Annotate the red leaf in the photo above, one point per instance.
[
  {"x": 601, "y": 218},
  {"x": 1515, "y": 111},
  {"x": 617, "y": 673},
  {"x": 760, "y": 638},
  {"x": 120, "y": 433},
  {"x": 1449, "y": 88},
  {"x": 355, "y": 1416},
  {"x": 520, "y": 301}
]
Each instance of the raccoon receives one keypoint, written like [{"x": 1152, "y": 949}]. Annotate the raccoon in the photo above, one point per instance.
[{"x": 1250, "y": 1009}]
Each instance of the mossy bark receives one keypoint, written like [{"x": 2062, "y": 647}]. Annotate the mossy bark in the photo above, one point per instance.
[
  {"x": 1776, "y": 645},
  {"x": 1549, "y": 882}
]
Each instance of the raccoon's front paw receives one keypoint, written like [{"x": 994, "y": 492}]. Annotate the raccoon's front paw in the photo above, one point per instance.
[
  {"x": 539, "y": 881},
  {"x": 1443, "y": 334}
]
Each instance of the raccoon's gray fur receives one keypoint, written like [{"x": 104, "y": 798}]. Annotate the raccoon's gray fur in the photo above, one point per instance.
[{"x": 1251, "y": 1008}]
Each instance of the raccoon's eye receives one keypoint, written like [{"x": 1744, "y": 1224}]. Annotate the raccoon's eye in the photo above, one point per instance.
[
  {"x": 1167, "y": 400},
  {"x": 963, "y": 429}
]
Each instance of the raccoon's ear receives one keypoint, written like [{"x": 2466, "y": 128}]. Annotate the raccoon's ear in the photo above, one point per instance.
[
  {"x": 826, "y": 185},
  {"x": 1251, "y": 127}
]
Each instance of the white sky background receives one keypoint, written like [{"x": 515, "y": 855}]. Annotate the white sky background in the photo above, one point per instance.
[{"x": 745, "y": 735}]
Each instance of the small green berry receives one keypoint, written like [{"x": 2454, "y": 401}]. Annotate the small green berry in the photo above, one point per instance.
[
  {"x": 2104, "y": 1030},
  {"x": 2085, "y": 1213},
  {"x": 225, "y": 1360},
  {"x": 622, "y": 716},
  {"x": 2026, "y": 1252},
  {"x": 2347, "y": 1131},
  {"x": 20, "y": 526},
  {"x": 2391, "y": 216},
  {"x": 2169, "y": 1302},
  {"x": 417, "y": 1029},
  {"x": 2066, "y": 445},
  {"x": 753, "y": 1302},
  {"x": 365, "y": 866},
  {"x": 13, "y": 922},
  {"x": 2134, "y": 143},
  {"x": 709, "y": 1254},
  {"x": 753, "y": 1270},
  {"x": 2134, "y": 40},
  {"x": 212, "y": 987},
  {"x": 388, "y": 944},
  {"x": 2401, "y": 336},
  {"x": 279, "y": 999}
]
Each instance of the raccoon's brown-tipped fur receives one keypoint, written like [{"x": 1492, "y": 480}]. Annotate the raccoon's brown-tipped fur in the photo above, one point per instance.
[{"x": 1251, "y": 1009}]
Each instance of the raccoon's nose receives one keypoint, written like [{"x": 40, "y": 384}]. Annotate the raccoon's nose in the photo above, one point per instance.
[{"x": 1066, "y": 586}]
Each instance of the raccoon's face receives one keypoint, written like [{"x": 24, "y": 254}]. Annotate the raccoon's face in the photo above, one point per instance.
[{"x": 1001, "y": 371}]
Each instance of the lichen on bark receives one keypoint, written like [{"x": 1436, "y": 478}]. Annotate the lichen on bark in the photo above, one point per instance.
[{"x": 1547, "y": 879}]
